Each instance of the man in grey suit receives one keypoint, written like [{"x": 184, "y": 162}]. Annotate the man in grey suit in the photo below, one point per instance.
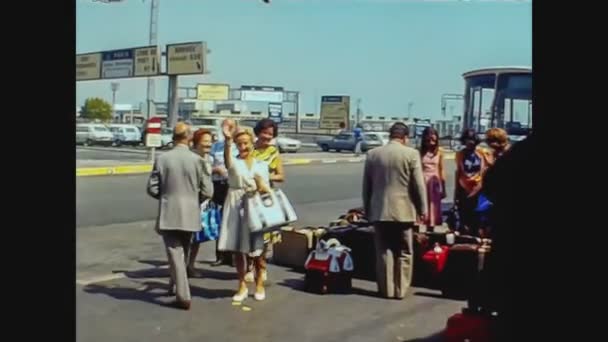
[
  {"x": 180, "y": 180},
  {"x": 394, "y": 198}
]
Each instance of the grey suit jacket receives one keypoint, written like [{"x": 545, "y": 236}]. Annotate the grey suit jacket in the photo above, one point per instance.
[
  {"x": 179, "y": 180},
  {"x": 393, "y": 185}
]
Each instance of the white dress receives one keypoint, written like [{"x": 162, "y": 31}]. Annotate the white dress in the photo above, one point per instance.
[{"x": 235, "y": 236}]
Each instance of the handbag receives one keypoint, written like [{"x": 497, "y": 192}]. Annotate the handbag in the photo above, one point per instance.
[
  {"x": 268, "y": 212},
  {"x": 211, "y": 217}
]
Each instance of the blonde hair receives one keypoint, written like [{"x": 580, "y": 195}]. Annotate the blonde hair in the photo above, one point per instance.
[{"x": 497, "y": 135}]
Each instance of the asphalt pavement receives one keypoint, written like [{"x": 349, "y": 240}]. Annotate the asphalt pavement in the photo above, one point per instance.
[{"x": 122, "y": 276}]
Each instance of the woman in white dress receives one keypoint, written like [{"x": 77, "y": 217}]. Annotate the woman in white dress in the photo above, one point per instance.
[{"x": 245, "y": 174}]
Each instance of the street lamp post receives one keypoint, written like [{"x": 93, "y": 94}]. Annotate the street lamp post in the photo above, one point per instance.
[{"x": 114, "y": 86}]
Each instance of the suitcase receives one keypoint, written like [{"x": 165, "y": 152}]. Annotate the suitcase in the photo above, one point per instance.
[
  {"x": 295, "y": 245},
  {"x": 361, "y": 242},
  {"x": 462, "y": 269},
  {"x": 434, "y": 260},
  {"x": 329, "y": 269},
  {"x": 468, "y": 326}
]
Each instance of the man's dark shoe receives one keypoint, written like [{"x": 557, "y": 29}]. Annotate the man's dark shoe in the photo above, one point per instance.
[{"x": 182, "y": 304}]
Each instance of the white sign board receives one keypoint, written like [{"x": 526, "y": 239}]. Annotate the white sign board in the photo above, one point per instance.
[
  {"x": 153, "y": 140},
  {"x": 117, "y": 64},
  {"x": 186, "y": 58},
  {"x": 261, "y": 96},
  {"x": 88, "y": 66},
  {"x": 147, "y": 61},
  {"x": 335, "y": 110}
]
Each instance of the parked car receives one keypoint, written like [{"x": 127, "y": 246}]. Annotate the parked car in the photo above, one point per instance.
[
  {"x": 125, "y": 134},
  {"x": 166, "y": 138},
  {"x": 382, "y": 136},
  {"x": 93, "y": 134},
  {"x": 346, "y": 142},
  {"x": 288, "y": 145}
]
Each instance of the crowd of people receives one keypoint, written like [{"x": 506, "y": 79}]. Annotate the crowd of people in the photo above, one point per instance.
[{"x": 402, "y": 188}]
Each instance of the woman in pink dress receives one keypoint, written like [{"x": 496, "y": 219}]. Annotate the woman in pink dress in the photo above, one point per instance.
[{"x": 434, "y": 177}]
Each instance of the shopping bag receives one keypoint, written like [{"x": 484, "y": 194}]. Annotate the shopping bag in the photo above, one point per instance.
[
  {"x": 211, "y": 218},
  {"x": 269, "y": 211}
]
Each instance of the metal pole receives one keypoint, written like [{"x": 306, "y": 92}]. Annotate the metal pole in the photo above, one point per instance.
[
  {"x": 480, "y": 110},
  {"x": 173, "y": 102},
  {"x": 298, "y": 117},
  {"x": 114, "y": 86},
  {"x": 150, "y": 92}
]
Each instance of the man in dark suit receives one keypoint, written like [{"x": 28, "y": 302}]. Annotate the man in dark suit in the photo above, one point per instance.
[
  {"x": 394, "y": 198},
  {"x": 179, "y": 180}
]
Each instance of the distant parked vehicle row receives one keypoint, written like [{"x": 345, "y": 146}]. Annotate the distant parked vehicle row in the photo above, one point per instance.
[{"x": 346, "y": 141}]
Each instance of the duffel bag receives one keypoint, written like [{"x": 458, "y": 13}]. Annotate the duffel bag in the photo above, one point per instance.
[{"x": 329, "y": 268}]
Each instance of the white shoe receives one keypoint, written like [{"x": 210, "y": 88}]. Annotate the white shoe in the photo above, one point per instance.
[
  {"x": 264, "y": 275},
  {"x": 240, "y": 296},
  {"x": 249, "y": 278},
  {"x": 260, "y": 295}
]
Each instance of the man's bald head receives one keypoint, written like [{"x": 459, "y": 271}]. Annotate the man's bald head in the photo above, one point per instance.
[{"x": 181, "y": 133}]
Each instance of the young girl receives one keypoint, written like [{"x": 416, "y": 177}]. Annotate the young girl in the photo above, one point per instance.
[
  {"x": 245, "y": 174},
  {"x": 434, "y": 176}
]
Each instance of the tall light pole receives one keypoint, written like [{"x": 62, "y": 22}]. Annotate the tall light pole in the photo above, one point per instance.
[
  {"x": 152, "y": 40},
  {"x": 114, "y": 86},
  {"x": 358, "y": 111}
]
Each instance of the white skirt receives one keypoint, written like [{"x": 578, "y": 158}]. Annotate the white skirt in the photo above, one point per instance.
[{"x": 235, "y": 236}]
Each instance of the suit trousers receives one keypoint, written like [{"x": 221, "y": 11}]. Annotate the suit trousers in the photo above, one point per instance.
[
  {"x": 177, "y": 245},
  {"x": 394, "y": 258}
]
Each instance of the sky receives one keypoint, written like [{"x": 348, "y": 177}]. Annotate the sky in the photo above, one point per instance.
[{"x": 388, "y": 53}]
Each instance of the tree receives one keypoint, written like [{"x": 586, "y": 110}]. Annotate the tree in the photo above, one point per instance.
[{"x": 97, "y": 109}]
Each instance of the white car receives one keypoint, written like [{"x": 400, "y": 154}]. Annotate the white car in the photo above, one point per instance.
[
  {"x": 166, "y": 138},
  {"x": 125, "y": 134},
  {"x": 286, "y": 144},
  {"x": 93, "y": 134}
]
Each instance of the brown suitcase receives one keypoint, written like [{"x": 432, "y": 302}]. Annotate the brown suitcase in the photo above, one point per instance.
[{"x": 295, "y": 245}]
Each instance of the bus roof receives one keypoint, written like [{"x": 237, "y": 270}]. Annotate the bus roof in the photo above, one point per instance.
[{"x": 497, "y": 70}]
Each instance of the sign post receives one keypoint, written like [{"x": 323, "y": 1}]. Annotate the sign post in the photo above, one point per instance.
[
  {"x": 335, "y": 110},
  {"x": 153, "y": 135}
]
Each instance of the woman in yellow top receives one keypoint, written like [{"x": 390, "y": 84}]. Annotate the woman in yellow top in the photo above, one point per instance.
[
  {"x": 471, "y": 164},
  {"x": 266, "y": 130}
]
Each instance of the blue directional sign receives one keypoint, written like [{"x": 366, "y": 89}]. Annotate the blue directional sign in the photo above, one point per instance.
[
  {"x": 275, "y": 112},
  {"x": 117, "y": 64}
]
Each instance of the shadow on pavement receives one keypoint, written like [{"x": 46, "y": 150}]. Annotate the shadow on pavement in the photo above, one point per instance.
[
  {"x": 152, "y": 291},
  {"x": 298, "y": 285},
  {"x": 157, "y": 272}
]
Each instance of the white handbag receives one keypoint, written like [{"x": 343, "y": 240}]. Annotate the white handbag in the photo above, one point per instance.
[{"x": 269, "y": 211}]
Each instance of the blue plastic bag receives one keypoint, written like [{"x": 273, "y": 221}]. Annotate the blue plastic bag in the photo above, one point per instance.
[
  {"x": 211, "y": 218},
  {"x": 483, "y": 204}
]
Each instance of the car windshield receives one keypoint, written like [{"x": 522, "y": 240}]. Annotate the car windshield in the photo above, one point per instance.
[
  {"x": 131, "y": 130},
  {"x": 372, "y": 137},
  {"x": 100, "y": 129}
]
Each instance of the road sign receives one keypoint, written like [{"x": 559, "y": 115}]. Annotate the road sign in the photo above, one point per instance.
[
  {"x": 117, "y": 64},
  {"x": 212, "y": 92},
  {"x": 153, "y": 129},
  {"x": 187, "y": 58},
  {"x": 147, "y": 61},
  {"x": 334, "y": 111},
  {"x": 275, "y": 112},
  {"x": 88, "y": 66}
]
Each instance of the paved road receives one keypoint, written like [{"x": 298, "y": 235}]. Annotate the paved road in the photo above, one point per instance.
[
  {"x": 122, "y": 276},
  {"x": 121, "y": 199}
]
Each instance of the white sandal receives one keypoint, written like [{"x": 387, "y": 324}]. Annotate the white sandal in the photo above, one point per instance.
[
  {"x": 240, "y": 296},
  {"x": 260, "y": 295}
]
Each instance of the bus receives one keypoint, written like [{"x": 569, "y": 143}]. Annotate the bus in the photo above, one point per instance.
[{"x": 499, "y": 97}]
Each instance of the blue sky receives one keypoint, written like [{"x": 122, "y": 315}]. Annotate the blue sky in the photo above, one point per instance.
[{"x": 386, "y": 52}]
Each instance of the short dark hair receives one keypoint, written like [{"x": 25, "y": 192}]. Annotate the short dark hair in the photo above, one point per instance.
[
  {"x": 399, "y": 130},
  {"x": 266, "y": 123},
  {"x": 469, "y": 134}
]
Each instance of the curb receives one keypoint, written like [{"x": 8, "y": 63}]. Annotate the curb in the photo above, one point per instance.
[{"x": 147, "y": 168}]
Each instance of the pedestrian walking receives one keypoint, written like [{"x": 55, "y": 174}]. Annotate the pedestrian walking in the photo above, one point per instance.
[
  {"x": 358, "y": 133},
  {"x": 434, "y": 176},
  {"x": 394, "y": 198},
  {"x": 245, "y": 175},
  {"x": 471, "y": 164},
  {"x": 201, "y": 143},
  {"x": 179, "y": 180}
]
